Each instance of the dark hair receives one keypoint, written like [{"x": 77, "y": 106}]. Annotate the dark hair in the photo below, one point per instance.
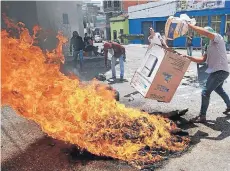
[{"x": 75, "y": 33}]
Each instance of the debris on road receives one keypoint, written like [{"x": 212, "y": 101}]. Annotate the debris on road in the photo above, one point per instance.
[{"x": 101, "y": 77}]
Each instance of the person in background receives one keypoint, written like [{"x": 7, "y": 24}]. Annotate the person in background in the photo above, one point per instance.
[
  {"x": 226, "y": 41},
  {"x": 91, "y": 41},
  {"x": 117, "y": 51},
  {"x": 217, "y": 68},
  {"x": 77, "y": 46},
  {"x": 155, "y": 38},
  {"x": 117, "y": 41},
  {"x": 189, "y": 44},
  {"x": 204, "y": 44},
  {"x": 86, "y": 40}
]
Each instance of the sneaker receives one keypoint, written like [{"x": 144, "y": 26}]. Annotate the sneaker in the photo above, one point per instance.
[
  {"x": 112, "y": 79},
  {"x": 121, "y": 78}
]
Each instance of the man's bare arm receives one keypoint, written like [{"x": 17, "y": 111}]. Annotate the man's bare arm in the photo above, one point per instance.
[
  {"x": 202, "y": 31},
  {"x": 197, "y": 59},
  {"x": 164, "y": 43}
]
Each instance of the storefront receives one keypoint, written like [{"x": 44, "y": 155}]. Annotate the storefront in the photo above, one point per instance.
[
  {"x": 153, "y": 14},
  {"x": 215, "y": 14},
  {"x": 218, "y": 18}
]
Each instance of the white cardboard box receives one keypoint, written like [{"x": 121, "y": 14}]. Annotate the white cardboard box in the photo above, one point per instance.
[{"x": 160, "y": 74}]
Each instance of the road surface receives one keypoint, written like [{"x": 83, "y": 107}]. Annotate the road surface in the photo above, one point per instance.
[{"x": 25, "y": 147}]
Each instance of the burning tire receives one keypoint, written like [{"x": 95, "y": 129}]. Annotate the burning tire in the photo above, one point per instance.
[{"x": 116, "y": 93}]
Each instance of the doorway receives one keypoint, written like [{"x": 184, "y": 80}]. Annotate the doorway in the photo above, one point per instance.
[
  {"x": 114, "y": 34},
  {"x": 160, "y": 26},
  {"x": 145, "y": 30}
]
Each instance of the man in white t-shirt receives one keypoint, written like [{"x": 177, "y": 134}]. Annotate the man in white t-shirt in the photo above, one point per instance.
[
  {"x": 155, "y": 38},
  {"x": 218, "y": 70}
]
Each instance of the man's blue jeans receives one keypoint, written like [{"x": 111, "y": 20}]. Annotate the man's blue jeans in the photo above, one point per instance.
[
  {"x": 113, "y": 63},
  {"x": 214, "y": 83},
  {"x": 80, "y": 54},
  {"x": 189, "y": 50}
]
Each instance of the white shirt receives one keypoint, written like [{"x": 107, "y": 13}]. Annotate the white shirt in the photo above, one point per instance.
[
  {"x": 156, "y": 39},
  {"x": 217, "y": 55}
]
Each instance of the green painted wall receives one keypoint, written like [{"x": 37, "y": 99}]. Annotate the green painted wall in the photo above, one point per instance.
[{"x": 117, "y": 24}]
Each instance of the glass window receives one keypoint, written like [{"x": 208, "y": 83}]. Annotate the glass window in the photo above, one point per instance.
[
  {"x": 228, "y": 18},
  {"x": 105, "y": 4},
  {"x": 204, "y": 21},
  {"x": 116, "y": 3},
  {"x": 201, "y": 21},
  {"x": 216, "y": 26},
  {"x": 216, "y": 18},
  {"x": 65, "y": 18},
  {"x": 109, "y": 4},
  {"x": 215, "y": 23}
]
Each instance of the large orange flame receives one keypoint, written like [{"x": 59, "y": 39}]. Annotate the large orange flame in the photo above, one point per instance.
[{"x": 83, "y": 114}]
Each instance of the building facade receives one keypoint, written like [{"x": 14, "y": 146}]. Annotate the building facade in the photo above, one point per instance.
[
  {"x": 114, "y": 8},
  {"x": 153, "y": 14},
  {"x": 215, "y": 14},
  {"x": 90, "y": 12},
  {"x": 207, "y": 13},
  {"x": 52, "y": 16},
  {"x": 111, "y": 9},
  {"x": 119, "y": 26},
  {"x": 128, "y": 3}
]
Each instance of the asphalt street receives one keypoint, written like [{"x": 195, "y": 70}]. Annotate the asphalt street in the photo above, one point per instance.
[{"x": 25, "y": 147}]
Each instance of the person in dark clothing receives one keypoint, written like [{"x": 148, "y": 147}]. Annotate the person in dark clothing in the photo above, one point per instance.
[
  {"x": 189, "y": 45},
  {"x": 86, "y": 40},
  {"x": 77, "y": 46}
]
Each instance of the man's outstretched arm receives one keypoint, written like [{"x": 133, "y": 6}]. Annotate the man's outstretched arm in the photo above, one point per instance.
[
  {"x": 202, "y": 31},
  {"x": 196, "y": 59}
]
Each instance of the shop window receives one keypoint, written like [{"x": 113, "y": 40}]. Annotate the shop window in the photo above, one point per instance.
[
  {"x": 201, "y": 21},
  {"x": 228, "y": 18},
  {"x": 227, "y": 27},
  {"x": 215, "y": 23}
]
